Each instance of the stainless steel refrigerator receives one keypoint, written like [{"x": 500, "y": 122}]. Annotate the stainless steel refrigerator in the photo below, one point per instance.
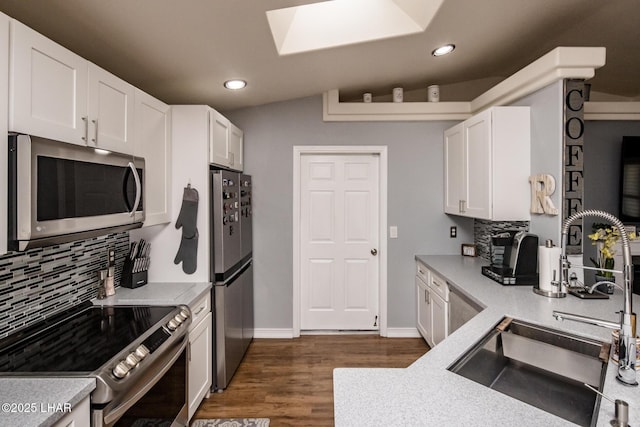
[{"x": 232, "y": 272}]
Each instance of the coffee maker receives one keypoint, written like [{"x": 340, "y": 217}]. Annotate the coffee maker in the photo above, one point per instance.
[{"x": 514, "y": 258}]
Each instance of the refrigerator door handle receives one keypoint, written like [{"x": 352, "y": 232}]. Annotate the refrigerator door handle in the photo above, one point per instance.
[{"x": 235, "y": 275}]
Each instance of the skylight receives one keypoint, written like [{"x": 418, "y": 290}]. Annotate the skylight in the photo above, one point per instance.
[{"x": 343, "y": 22}]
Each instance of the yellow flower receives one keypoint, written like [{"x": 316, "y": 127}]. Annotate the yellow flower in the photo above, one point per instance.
[{"x": 607, "y": 237}]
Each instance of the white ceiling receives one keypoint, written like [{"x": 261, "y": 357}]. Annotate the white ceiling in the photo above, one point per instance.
[{"x": 183, "y": 51}]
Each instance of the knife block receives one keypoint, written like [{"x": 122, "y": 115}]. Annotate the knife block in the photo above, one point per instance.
[{"x": 131, "y": 279}]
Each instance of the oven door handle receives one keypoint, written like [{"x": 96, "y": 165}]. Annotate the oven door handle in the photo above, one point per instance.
[{"x": 113, "y": 415}]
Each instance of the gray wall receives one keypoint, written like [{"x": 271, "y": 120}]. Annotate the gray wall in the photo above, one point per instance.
[
  {"x": 546, "y": 152},
  {"x": 602, "y": 143},
  {"x": 415, "y": 201}
]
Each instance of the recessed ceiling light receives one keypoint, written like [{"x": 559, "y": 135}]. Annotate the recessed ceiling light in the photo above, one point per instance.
[
  {"x": 235, "y": 84},
  {"x": 443, "y": 50}
]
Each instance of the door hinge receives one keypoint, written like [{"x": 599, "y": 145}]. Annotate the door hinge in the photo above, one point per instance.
[{"x": 375, "y": 321}]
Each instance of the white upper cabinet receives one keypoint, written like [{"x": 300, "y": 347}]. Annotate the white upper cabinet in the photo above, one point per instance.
[
  {"x": 487, "y": 165},
  {"x": 59, "y": 95},
  {"x": 111, "y": 111},
  {"x": 453, "y": 168},
  {"x": 153, "y": 142},
  {"x": 47, "y": 87},
  {"x": 236, "y": 142},
  {"x": 225, "y": 142},
  {"x": 218, "y": 139}
]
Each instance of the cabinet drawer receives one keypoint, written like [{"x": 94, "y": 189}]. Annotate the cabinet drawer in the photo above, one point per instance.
[
  {"x": 422, "y": 272},
  {"x": 439, "y": 286},
  {"x": 199, "y": 310}
]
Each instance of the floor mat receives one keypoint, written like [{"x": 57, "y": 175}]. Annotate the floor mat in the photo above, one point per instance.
[{"x": 232, "y": 422}]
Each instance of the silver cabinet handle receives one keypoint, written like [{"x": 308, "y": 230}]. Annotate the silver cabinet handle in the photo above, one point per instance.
[
  {"x": 199, "y": 311},
  {"x": 374, "y": 252},
  {"x": 85, "y": 138},
  {"x": 138, "y": 188},
  {"x": 426, "y": 297},
  {"x": 95, "y": 123}
]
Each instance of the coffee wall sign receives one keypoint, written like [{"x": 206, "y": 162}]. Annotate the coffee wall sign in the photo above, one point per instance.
[
  {"x": 573, "y": 181},
  {"x": 542, "y": 187}
]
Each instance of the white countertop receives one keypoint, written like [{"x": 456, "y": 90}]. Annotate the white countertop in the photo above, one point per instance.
[
  {"x": 27, "y": 402},
  {"x": 427, "y": 394},
  {"x": 158, "y": 294}
]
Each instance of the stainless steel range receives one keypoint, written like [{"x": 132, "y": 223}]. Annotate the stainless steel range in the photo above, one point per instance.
[{"x": 137, "y": 356}]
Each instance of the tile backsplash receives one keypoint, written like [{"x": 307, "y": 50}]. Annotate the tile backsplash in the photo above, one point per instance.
[
  {"x": 40, "y": 282},
  {"x": 483, "y": 230}
]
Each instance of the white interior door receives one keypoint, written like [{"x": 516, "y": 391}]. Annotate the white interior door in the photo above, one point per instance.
[{"x": 339, "y": 231}]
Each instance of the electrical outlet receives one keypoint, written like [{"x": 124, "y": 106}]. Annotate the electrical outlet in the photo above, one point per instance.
[
  {"x": 393, "y": 232},
  {"x": 453, "y": 232}
]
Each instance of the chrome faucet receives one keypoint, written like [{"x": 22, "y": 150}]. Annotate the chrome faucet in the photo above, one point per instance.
[{"x": 627, "y": 341}]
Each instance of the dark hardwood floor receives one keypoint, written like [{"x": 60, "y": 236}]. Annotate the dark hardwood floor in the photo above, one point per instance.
[{"x": 291, "y": 381}]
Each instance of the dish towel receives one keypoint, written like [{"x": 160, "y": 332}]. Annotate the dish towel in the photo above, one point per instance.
[{"x": 187, "y": 220}]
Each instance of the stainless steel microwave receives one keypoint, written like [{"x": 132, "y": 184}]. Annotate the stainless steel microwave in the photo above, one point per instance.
[{"x": 60, "y": 192}]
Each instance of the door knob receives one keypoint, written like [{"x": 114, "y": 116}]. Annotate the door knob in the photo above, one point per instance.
[{"x": 374, "y": 252}]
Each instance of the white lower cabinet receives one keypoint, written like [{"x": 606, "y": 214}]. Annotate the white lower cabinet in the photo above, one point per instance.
[
  {"x": 78, "y": 417},
  {"x": 423, "y": 298},
  {"x": 440, "y": 318},
  {"x": 200, "y": 354},
  {"x": 432, "y": 297}
]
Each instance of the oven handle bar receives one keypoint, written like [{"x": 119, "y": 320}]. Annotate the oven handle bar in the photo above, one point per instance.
[{"x": 119, "y": 410}]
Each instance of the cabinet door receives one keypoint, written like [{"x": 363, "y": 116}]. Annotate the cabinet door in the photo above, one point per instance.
[
  {"x": 453, "y": 169},
  {"x": 78, "y": 417},
  {"x": 219, "y": 139},
  {"x": 478, "y": 167},
  {"x": 111, "y": 111},
  {"x": 236, "y": 141},
  {"x": 423, "y": 299},
  {"x": 439, "y": 318},
  {"x": 153, "y": 142},
  {"x": 200, "y": 364},
  {"x": 48, "y": 88}
]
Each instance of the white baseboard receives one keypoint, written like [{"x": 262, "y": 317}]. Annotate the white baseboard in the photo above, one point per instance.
[
  {"x": 286, "y": 333},
  {"x": 403, "y": 333},
  {"x": 281, "y": 333}
]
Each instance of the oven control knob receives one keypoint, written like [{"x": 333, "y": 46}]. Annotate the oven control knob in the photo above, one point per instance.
[
  {"x": 173, "y": 324},
  {"x": 121, "y": 370},
  {"x": 142, "y": 351},
  {"x": 185, "y": 313},
  {"x": 181, "y": 317},
  {"x": 132, "y": 360}
]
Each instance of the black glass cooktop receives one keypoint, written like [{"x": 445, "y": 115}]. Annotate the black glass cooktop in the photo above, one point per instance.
[{"x": 80, "y": 340}]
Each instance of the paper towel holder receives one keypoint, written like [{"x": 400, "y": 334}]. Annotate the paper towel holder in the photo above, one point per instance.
[{"x": 555, "y": 282}]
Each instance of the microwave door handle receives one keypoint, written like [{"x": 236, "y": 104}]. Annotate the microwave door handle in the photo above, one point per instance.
[{"x": 136, "y": 177}]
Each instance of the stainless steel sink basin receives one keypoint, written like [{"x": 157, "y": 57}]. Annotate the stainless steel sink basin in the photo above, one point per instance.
[{"x": 543, "y": 367}]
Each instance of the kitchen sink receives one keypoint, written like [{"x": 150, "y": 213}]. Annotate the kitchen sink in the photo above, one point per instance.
[{"x": 543, "y": 367}]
